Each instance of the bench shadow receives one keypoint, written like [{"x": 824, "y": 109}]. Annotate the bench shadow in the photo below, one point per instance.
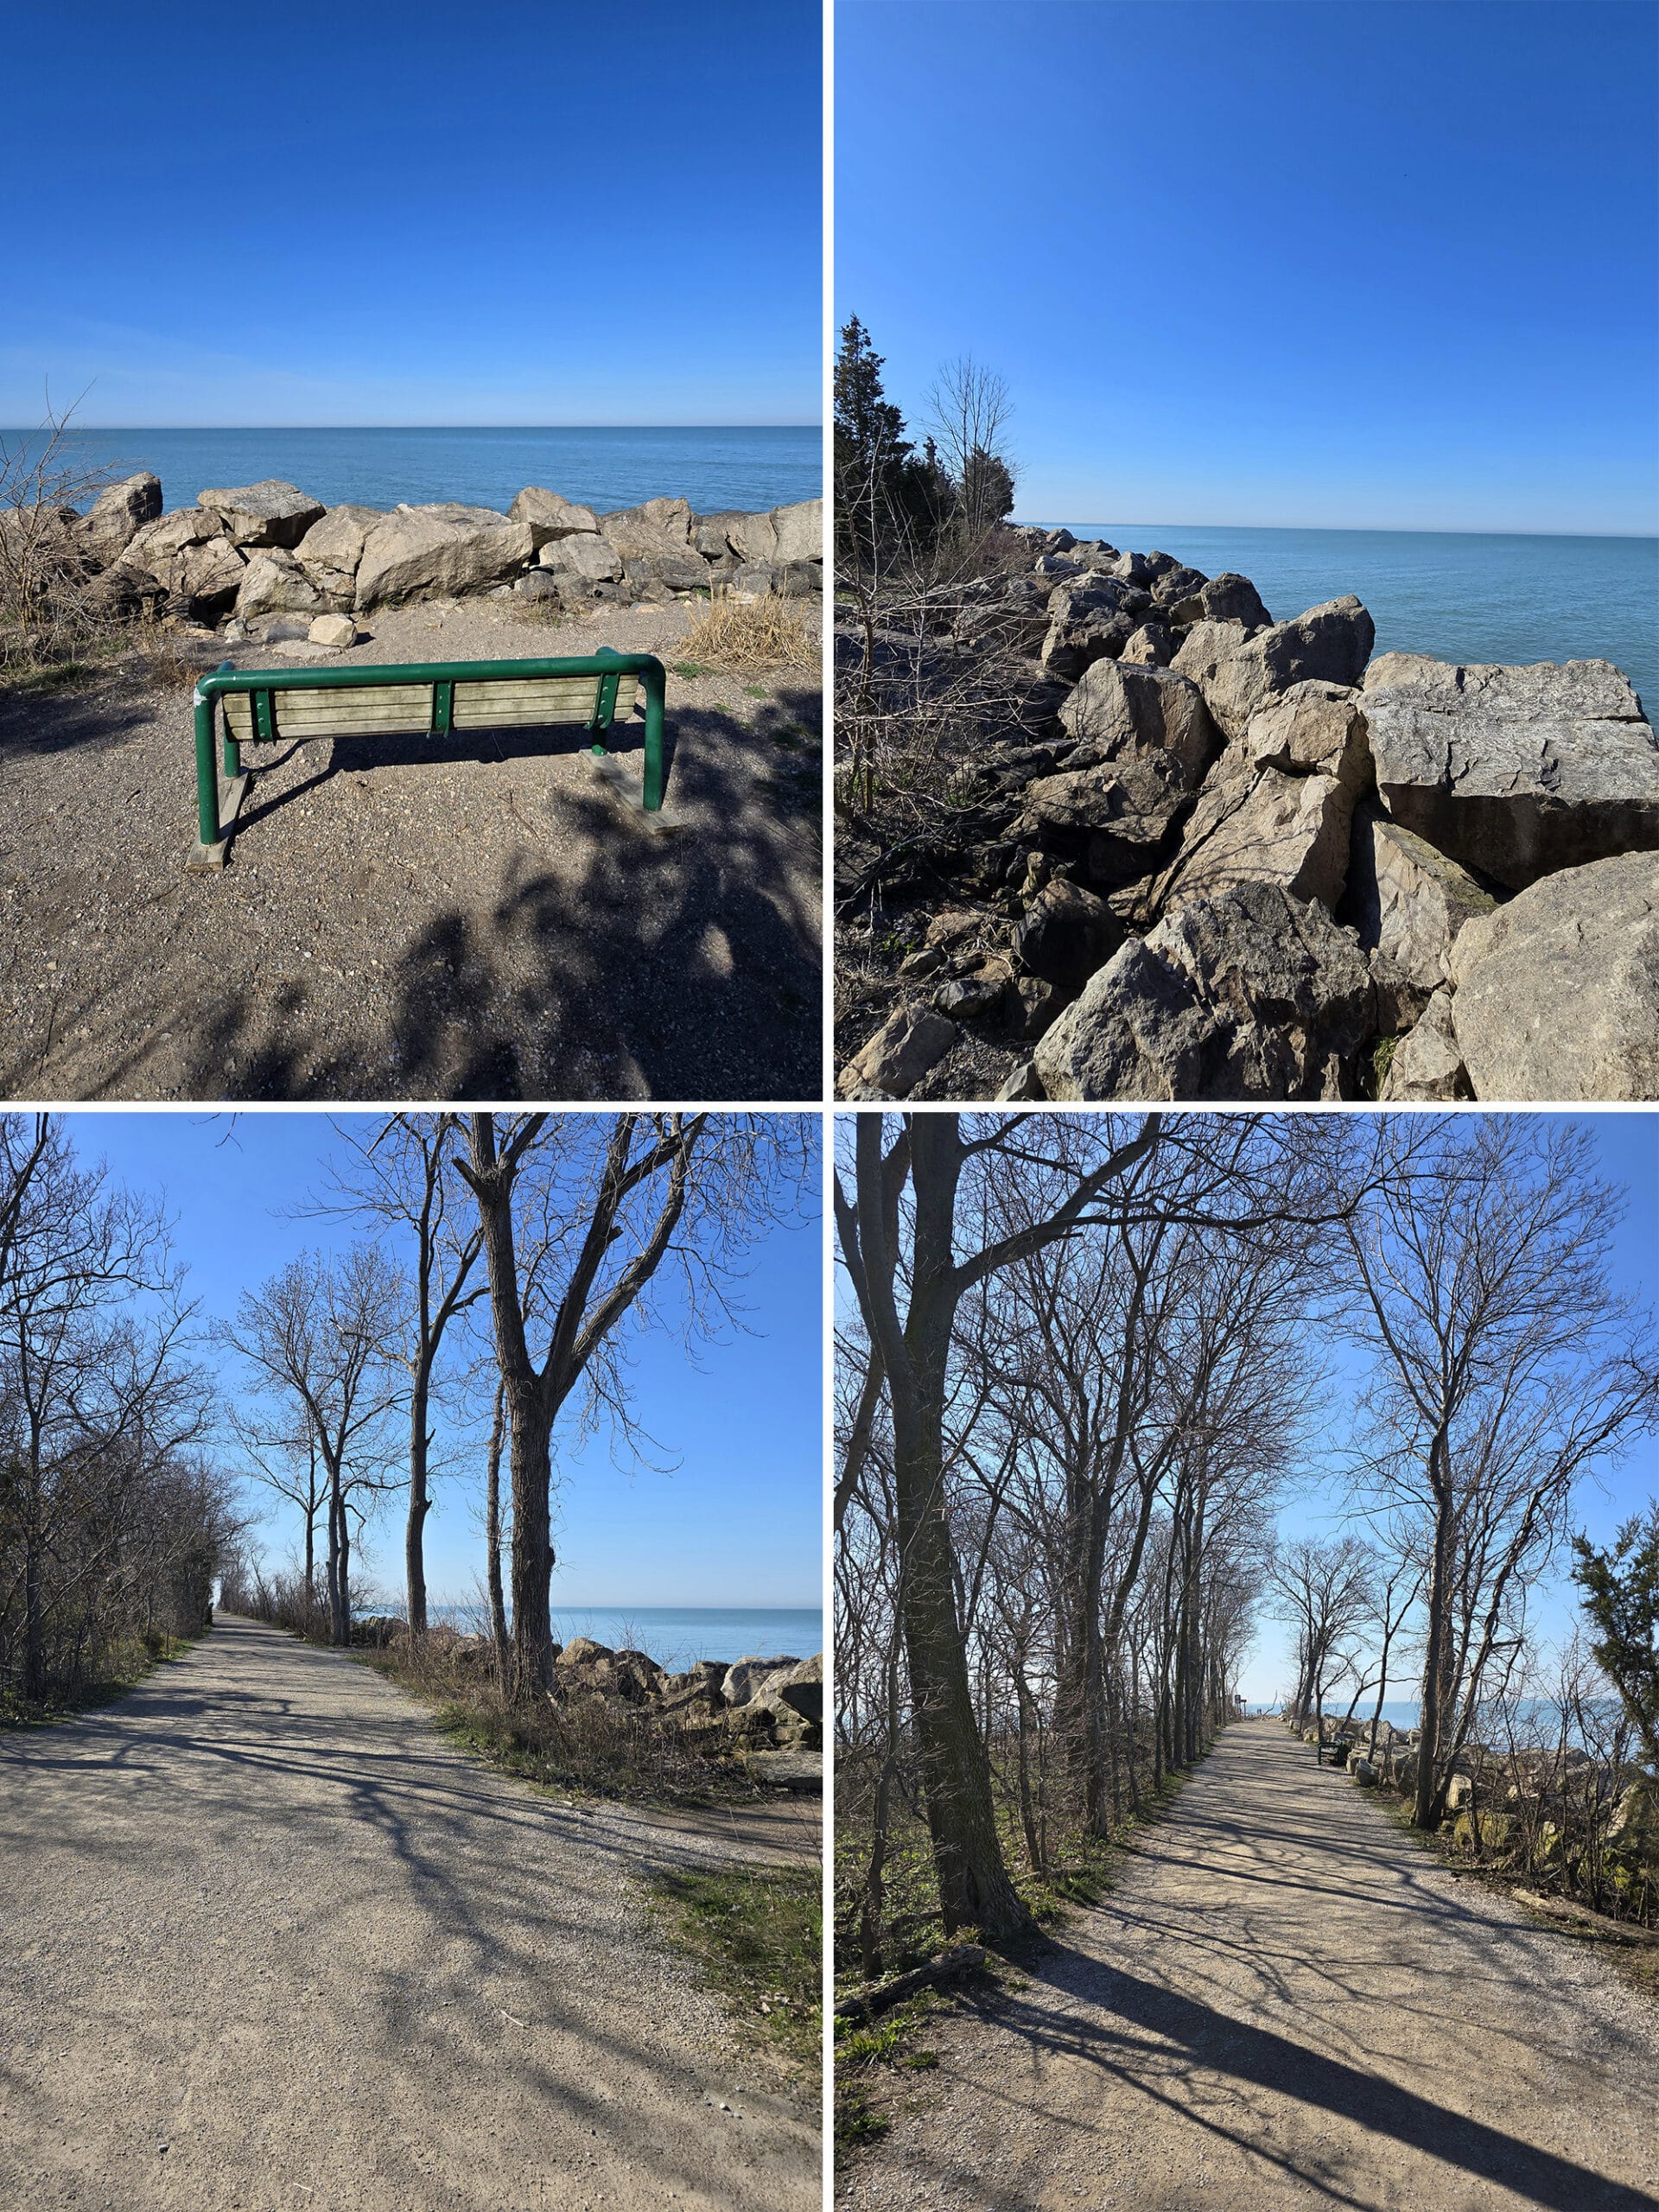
[{"x": 673, "y": 963}]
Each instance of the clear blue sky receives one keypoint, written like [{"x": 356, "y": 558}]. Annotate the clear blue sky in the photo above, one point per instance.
[
  {"x": 1627, "y": 1148},
  {"x": 1371, "y": 265},
  {"x": 739, "y": 1522},
  {"x": 415, "y": 213}
]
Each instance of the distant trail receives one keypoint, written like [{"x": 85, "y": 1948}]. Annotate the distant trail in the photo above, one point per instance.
[
  {"x": 1286, "y": 2002},
  {"x": 259, "y": 1914}
]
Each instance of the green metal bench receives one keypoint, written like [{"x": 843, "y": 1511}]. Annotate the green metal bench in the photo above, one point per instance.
[{"x": 280, "y": 706}]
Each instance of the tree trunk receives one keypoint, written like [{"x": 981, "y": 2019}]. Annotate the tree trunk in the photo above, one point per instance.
[
  {"x": 1439, "y": 1588},
  {"x": 530, "y": 1459},
  {"x": 492, "y": 1544},
  {"x": 420, "y": 1502}
]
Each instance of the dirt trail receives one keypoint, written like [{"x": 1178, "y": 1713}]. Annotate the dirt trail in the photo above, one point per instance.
[
  {"x": 266, "y": 1941},
  {"x": 1286, "y": 2002}
]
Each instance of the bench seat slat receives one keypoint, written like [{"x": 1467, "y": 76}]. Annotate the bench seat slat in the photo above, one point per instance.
[
  {"x": 523, "y": 703},
  {"x": 330, "y": 714}
]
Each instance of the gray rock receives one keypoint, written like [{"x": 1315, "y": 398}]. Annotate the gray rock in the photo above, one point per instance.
[
  {"x": 273, "y": 582},
  {"x": 1066, "y": 934},
  {"x": 337, "y": 629},
  {"x": 1226, "y": 598},
  {"x": 656, "y": 527},
  {"x": 540, "y": 583},
  {"x": 1331, "y": 643},
  {"x": 1121, "y": 711},
  {"x": 1089, "y": 619},
  {"x": 331, "y": 551},
  {"x": 1122, "y": 816},
  {"x": 185, "y": 551},
  {"x": 1426, "y": 1063},
  {"x": 590, "y": 559},
  {"x": 1314, "y": 728},
  {"x": 1515, "y": 771},
  {"x": 550, "y": 516},
  {"x": 117, "y": 516},
  {"x": 1024, "y": 1082},
  {"x": 797, "y": 579},
  {"x": 1152, "y": 646},
  {"x": 442, "y": 551},
  {"x": 1205, "y": 645},
  {"x": 750, "y": 1674},
  {"x": 1558, "y": 992},
  {"x": 1175, "y": 585},
  {"x": 1260, "y": 825},
  {"x": 267, "y": 513},
  {"x": 673, "y": 569},
  {"x": 1408, "y": 899},
  {"x": 1253, "y": 995},
  {"x": 909, "y": 1042},
  {"x": 798, "y": 531}
]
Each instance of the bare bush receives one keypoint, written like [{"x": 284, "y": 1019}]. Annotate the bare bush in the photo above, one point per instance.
[{"x": 51, "y": 602}]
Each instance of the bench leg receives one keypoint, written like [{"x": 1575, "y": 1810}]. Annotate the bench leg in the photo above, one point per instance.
[{"x": 217, "y": 804}]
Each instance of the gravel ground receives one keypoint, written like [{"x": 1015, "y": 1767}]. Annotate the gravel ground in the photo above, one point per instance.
[
  {"x": 472, "y": 919},
  {"x": 267, "y": 1940},
  {"x": 1286, "y": 2002}
]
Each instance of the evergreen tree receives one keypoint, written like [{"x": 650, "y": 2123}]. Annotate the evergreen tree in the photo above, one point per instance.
[{"x": 1621, "y": 1596}]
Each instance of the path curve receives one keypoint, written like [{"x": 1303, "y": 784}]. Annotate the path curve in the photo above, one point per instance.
[
  {"x": 258, "y": 1912},
  {"x": 1284, "y": 2002}
]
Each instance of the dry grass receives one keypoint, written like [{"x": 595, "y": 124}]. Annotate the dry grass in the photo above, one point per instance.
[
  {"x": 168, "y": 662},
  {"x": 764, "y": 633}
]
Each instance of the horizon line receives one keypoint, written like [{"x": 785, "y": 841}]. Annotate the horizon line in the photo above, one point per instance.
[
  {"x": 654, "y": 424},
  {"x": 1360, "y": 529}
]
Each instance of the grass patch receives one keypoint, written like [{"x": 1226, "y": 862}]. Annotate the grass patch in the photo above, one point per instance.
[
  {"x": 739, "y": 634},
  {"x": 125, "y": 1667},
  {"x": 691, "y": 669},
  {"x": 757, "y": 1935}
]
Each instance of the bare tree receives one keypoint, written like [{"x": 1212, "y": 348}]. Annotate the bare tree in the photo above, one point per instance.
[{"x": 1324, "y": 1588}]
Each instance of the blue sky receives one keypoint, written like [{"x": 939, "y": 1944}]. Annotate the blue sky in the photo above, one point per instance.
[
  {"x": 738, "y": 1522},
  {"x": 1370, "y": 265},
  {"x": 414, "y": 212}
]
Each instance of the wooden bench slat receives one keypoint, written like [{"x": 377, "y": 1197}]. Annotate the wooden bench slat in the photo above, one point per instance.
[
  {"x": 522, "y": 703},
  {"x": 327, "y": 714}
]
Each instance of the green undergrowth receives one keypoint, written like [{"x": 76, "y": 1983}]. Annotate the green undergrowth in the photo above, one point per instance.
[
  {"x": 756, "y": 1934},
  {"x": 128, "y": 1665},
  {"x": 870, "y": 2058},
  {"x": 691, "y": 669}
]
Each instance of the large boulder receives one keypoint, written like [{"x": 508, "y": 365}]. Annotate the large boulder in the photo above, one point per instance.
[
  {"x": 1409, "y": 899},
  {"x": 1329, "y": 643},
  {"x": 117, "y": 516},
  {"x": 797, "y": 533},
  {"x": 1314, "y": 728},
  {"x": 442, "y": 551},
  {"x": 1426, "y": 1063},
  {"x": 1091, "y": 620},
  {"x": 549, "y": 515},
  {"x": 1120, "y": 816},
  {"x": 185, "y": 552},
  {"x": 1121, "y": 711},
  {"x": 589, "y": 560},
  {"x": 583, "y": 1651},
  {"x": 274, "y": 583},
  {"x": 648, "y": 531},
  {"x": 267, "y": 513},
  {"x": 736, "y": 536},
  {"x": 1260, "y": 825},
  {"x": 1252, "y": 994},
  {"x": 1205, "y": 646},
  {"x": 748, "y": 1674},
  {"x": 1225, "y": 598},
  {"x": 1066, "y": 935},
  {"x": 332, "y": 550},
  {"x": 1152, "y": 646},
  {"x": 908, "y": 1043},
  {"x": 1558, "y": 992},
  {"x": 1515, "y": 771}
]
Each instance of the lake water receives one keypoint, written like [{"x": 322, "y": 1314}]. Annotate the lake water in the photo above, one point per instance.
[
  {"x": 675, "y": 1636},
  {"x": 751, "y": 467},
  {"x": 1455, "y": 596}
]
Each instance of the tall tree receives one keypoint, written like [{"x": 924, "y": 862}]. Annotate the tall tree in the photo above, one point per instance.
[{"x": 1620, "y": 1591}]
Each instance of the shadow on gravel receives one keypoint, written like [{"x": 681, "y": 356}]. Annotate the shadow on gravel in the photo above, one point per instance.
[
  {"x": 1136, "y": 2054},
  {"x": 677, "y": 963}
]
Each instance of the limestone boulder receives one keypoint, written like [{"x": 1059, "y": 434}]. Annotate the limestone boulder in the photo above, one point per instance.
[
  {"x": 1331, "y": 643},
  {"x": 1121, "y": 711},
  {"x": 735, "y": 536},
  {"x": 1409, "y": 899},
  {"x": 274, "y": 583},
  {"x": 1513, "y": 771},
  {"x": 797, "y": 533},
  {"x": 1252, "y": 994},
  {"x": 1091, "y": 620},
  {"x": 1152, "y": 646},
  {"x": 1426, "y": 1063},
  {"x": 117, "y": 516},
  {"x": 583, "y": 1651},
  {"x": 649, "y": 530},
  {"x": 332, "y": 550},
  {"x": 1174, "y": 586},
  {"x": 1067, "y": 933},
  {"x": 1557, "y": 993},
  {"x": 186, "y": 553},
  {"x": 589, "y": 560},
  {"x": 909, "y": 1042},
  {"x": 442, "y": 551},
  {"x": 1313, "y": 729},
  {"x": 267, "y": 513},
  {"x": 1204, "y": 646},
  {"x": 550, "y": 515},
  {"x": 1121, "y": 818},
  {"x": 1225, "y": 598},
  {"x": 1260, "y": 825},
  {"x": 750, "y": 1674}
]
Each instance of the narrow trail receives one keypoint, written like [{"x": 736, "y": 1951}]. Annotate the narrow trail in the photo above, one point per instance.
[
  {"x": 1286, "y": 2002},
  {"x": 266, "y": 1941}
]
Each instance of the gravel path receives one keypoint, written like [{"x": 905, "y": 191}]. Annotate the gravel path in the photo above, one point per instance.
[
  {"x": 414, "y": 919},
  {"x": 1286, "y": 2002},
  {"x": 266, "y": 1941}
]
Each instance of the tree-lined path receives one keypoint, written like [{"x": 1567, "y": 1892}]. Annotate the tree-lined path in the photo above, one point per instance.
[
  {"x": 266, "y": 1941},
  {"x": 1286, "y": 2002}
]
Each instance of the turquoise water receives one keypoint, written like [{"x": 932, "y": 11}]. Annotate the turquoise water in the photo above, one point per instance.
[
  {"x": 1458, "y": 597},
  {"x": 675, "y": 1636},
  {"x": 762, "y": 465}
]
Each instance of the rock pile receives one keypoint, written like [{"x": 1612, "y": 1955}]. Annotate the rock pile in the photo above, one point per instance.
[
  {"x": 253, "y": 550},
  {"x": 1217, "y": 856}
]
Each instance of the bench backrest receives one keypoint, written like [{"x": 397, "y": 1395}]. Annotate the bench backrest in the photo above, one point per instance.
[{"x": 268, "y": 705}]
